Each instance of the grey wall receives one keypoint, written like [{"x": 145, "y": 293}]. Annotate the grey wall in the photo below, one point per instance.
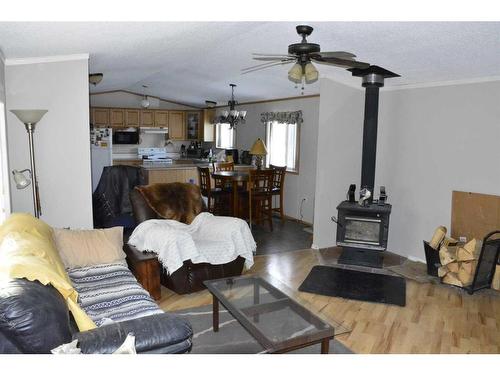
[
  {"x": 61, "y": 139},
  {"x": 4, "y": 168},
  {"x": 432, "y": 141},
  {"x": 297, "y": 186},
  {"x": 338, "y": 154}
]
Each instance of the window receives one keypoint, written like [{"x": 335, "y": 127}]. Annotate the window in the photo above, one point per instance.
[
  {"x": 282, "y": 140},
  {"x": 224, "y": 136}
]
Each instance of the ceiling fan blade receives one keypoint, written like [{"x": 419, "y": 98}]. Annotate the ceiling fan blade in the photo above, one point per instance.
[
  {"x": 264, "y": 66},
  {"x": 271, "y": 55},
  {"x": 267, "y": 63},
  {"x": 340, "y": 62},
  {"x": 277, "y": 58},
  {"x": 338, "y": 54}
]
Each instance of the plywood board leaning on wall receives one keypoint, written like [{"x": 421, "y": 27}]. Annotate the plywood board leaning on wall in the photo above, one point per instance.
[{"x": 474, "y": 215}]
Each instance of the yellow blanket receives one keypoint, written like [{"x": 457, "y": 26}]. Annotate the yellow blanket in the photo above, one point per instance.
[{"x": 27, "y": 250}]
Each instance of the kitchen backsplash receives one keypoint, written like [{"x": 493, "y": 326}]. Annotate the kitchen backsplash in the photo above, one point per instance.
[{"x": 153, "y": 140}]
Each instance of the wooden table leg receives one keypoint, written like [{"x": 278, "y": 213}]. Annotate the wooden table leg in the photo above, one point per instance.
[
  {"x": 215, "y": 313},
  {"x": 325, "y": 346}
]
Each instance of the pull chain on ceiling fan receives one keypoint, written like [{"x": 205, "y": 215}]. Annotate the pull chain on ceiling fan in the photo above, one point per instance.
[{"x": 302, "y": 54}]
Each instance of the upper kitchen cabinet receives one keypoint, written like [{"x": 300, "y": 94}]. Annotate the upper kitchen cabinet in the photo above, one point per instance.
[
  {"x": 193, "y": 122},
  {"x": 99, "y": 117},
  {"x": 161, "y": 119},
  {"x": 132, "y": 117},
  {"x": 147, "y": 118},
  {"x": 176, "y": 125},
  {"x": 208, "y": 125},
  {"x": 117, "y": 117}
]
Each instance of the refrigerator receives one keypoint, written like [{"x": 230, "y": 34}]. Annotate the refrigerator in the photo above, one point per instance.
[{"x": 101, "y": 152}]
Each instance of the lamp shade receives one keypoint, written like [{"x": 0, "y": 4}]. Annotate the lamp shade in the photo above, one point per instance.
[
  {"x": 258, "y": 148},
  {"x": 29, "y": 116},
  {"x": 311, "y": 73},
  {"x": 20, "y": 179},
  {"x": 295, "y": 73}
]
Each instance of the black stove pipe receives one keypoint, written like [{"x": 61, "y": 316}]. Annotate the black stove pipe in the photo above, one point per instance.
[
  {"x": 369, "y": 155},
  {"x": 373, "y": 78}
]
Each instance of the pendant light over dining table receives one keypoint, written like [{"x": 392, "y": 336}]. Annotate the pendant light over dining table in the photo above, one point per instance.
[{"x": 231, "y": 117}]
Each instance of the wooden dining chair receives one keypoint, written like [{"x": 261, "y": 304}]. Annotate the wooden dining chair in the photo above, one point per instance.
[
  {"x": 218, "y": 199},
  {"x": 278, "y": 187},
  {"x": 260, "y": 198},
  {"x": 222, "y": 166}
]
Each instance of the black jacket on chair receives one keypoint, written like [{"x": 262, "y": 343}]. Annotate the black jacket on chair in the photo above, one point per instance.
[{"x": 35, "y": 319}]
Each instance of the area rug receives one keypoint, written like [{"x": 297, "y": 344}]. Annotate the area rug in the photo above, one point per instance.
[
  {"x": 232, "y": 338},
  {"x": 353, "y": 284}
]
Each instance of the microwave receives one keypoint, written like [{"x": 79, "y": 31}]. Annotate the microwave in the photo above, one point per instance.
[{"x": 126, "y": 137}]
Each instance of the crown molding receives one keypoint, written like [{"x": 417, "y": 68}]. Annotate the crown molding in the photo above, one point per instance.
[
  {"x": 46, "y": 59},
  {"x": 423, "y": 85},
  {"x": 272, "y": 100}
]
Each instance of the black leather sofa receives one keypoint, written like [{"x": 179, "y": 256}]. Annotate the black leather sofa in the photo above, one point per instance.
[{"x": 35, "y": 319}]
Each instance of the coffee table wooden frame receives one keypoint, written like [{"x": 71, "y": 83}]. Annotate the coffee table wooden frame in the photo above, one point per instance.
[{"x": 250, "y": 315}]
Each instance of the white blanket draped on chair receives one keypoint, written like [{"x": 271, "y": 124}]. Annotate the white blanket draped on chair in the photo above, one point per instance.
[{"x": 208, "y": 239}]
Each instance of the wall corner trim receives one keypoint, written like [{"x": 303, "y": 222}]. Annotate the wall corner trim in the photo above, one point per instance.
[{"x": 46, "y": 59}]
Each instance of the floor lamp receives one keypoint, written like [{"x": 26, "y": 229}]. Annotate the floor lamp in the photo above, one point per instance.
[{"x": 29, "y": 117}]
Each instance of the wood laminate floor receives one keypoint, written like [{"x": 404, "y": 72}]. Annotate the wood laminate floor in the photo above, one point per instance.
[{"x": 436, "y": 318}]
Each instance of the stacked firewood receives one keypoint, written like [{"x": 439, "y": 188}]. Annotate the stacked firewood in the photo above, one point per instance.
[{"x": 458, "y": 260}]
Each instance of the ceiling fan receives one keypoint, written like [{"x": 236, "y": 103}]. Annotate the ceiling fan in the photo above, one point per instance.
[{"x": 302, "y": 54}]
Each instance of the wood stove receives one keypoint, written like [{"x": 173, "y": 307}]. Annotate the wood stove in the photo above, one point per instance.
[{"x": 363, "y": 227}]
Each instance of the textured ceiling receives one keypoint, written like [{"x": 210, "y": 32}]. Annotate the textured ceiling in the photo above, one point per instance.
[{"x": 193, "y": 62}]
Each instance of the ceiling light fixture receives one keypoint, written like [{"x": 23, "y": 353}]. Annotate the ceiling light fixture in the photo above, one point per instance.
[
  {"x": 145, "y": 101},
  {"x": 95, "y": 78},
  {"x": 231, "y": 117},
  {"x": 210, "y": 103}
]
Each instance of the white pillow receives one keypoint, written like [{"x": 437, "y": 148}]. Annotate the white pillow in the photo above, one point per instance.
[{"x": 81, "y": 248}]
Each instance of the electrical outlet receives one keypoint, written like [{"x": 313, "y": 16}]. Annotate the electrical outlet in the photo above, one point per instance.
[{"x": 462, "y": 239}]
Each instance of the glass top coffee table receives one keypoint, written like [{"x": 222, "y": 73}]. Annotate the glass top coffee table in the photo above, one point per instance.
[{"x": 277, "y": 322}]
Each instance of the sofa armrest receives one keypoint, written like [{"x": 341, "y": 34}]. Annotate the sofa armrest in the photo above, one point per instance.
[{"x": 161, "y": 333}]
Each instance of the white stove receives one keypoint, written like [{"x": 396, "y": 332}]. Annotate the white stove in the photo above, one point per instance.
[{"x": 155, "y": 156}]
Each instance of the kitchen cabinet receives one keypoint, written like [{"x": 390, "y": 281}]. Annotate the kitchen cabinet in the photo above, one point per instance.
[
  {"x": 172, "y": 175},
  {"x": 100, "y": 117},
  {"x": 208, "y": 125},
  {"x": 133, "y": 162},
  {"x": 193, "y": 125},
  {"x": 132, "y": 117},
  {"x": 117, "y": 117},
  {"x": 147, "y": 118},
  {"x": 161, "y": 119},
  {"x": 176, "y": 126}
]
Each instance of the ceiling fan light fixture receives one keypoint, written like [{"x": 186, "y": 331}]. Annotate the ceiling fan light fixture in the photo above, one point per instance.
[
  {"x": 295, "y": 73},
  {"x": 311, "y": 73}
]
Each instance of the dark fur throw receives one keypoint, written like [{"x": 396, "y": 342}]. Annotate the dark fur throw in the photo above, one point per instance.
[{"x": 176, "y": 200}]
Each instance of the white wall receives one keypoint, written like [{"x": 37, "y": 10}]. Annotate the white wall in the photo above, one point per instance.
[
  {"x": 61, "y": 138},
  {"x": 126, "y": 100},
  {"x": 297, "y": 186},
  {"x": 4, "y": 168},
  {"x": 432, "y": 141},
  {"x": 338, "y": 154}
]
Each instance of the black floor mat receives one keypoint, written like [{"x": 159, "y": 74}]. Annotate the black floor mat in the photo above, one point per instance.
[{"x": 364, "y": 286}]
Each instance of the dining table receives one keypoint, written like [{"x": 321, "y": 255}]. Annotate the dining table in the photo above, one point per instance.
[{"x": 235, "y": 178}]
